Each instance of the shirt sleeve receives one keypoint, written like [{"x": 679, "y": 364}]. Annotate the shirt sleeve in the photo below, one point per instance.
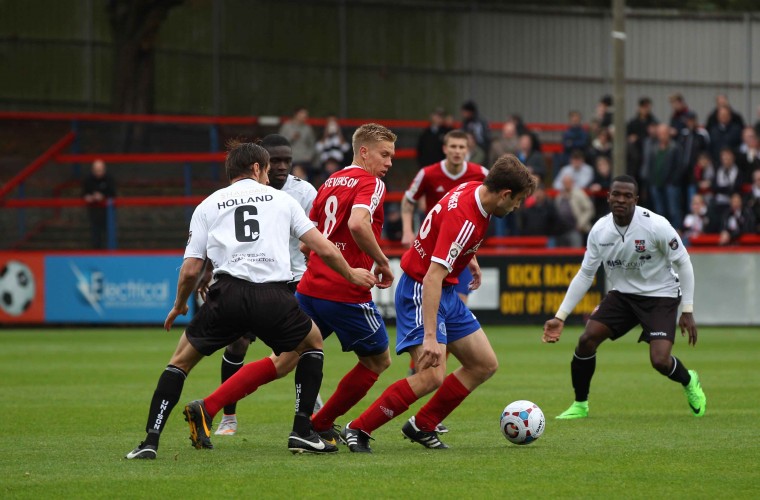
[
  {"x": 583, "y": 279},
  {"x": 370, "y": 195},
  {"x": 454, "y": 234},
  {"x": 299, "y": 223},
  {"x": 415, "y": 188},
  {"x": 198, "y": 237}
]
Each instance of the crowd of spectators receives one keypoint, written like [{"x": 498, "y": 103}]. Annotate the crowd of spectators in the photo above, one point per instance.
[{"x": 698, "y": 177}]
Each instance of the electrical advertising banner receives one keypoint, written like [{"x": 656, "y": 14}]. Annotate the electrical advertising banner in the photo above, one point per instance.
[{"x": 111, "y": 289}]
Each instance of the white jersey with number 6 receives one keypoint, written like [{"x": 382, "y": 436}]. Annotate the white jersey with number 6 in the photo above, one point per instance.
[{"x": 245, "y": 230}]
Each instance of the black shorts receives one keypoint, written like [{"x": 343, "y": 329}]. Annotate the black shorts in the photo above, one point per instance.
[
  {"x": 620, "y": 312},
  {"x": 237, "y": 308},
  {"x": 292, "y": 285}
]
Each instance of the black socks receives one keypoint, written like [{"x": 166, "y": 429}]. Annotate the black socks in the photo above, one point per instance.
[{"x": 165, "y": 397}]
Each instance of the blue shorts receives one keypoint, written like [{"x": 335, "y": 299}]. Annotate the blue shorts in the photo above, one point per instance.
[
  {"x": 455, "y": 320},
  {"x": 359, "y": 327},
  {"x": 463, "y": 286}
]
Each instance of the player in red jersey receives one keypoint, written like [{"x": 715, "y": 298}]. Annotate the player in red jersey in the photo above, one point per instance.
[
  {"x": 430, "y": 317},
  {"x": 434, "y": 181},
  {"x": 349, "y": 212},
  {"x": 430, "y": 184}
]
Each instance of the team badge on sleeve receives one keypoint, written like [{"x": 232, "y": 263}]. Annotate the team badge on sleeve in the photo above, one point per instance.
[
  {"x": 189, "y": 237},
  {"x": 640, "y": 246},
  {"x": 673, "y": 244},
  {"x": 455, "y": 250}
]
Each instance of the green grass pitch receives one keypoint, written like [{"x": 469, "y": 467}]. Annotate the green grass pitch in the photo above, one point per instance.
[{"x": 75, "y": 401}]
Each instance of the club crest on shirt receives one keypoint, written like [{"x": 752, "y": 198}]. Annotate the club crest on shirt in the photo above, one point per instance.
[
  {"x": 640, "y": 245},
  {"x": 455, "y": 250},
  {"x": 673, "y": 244}
]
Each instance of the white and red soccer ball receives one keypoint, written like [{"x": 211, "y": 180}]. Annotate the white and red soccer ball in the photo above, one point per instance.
[{"x": 522, "y": 422}]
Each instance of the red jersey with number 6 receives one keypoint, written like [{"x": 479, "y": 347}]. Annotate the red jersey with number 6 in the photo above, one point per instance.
[
  {"x": 450, "y": 234},
  {"x": 343, "y": 191}
]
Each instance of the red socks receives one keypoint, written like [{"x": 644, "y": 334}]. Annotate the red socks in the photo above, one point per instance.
[
  {"x": 394, "y": 401},
  {"x": 444, "y": 401},
  {"x": 249, "y": 378},
  {"x": 351, "y": 389}
]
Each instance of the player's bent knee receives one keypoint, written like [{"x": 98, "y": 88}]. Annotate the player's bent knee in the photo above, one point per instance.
[
  {"x": 662, "y": 365},
  {"x": 239, "y": 347},
  {"x": 377, "y": 363},
  {"x": 284, "y": 363}
]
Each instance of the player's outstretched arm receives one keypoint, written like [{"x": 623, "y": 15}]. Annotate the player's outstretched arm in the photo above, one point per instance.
[
  {"x": 552, "y": 330},
  {"x": 189, "y": 276},
  {"x": 331, "y": 256}
]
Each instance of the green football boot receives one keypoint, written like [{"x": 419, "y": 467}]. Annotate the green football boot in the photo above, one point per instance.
[
  {"x": 695, "y": 395},
  {"x": 579, "y": 409}
]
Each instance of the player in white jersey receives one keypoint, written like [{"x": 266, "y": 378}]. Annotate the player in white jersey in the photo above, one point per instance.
[
  {"x": 637, "y": 249},
  {"x": 281, "y": 162},
  {"x": 244, "y": 229}
]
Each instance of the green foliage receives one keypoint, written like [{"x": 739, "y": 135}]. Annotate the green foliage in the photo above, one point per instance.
[{"x": 75, "y": 402}]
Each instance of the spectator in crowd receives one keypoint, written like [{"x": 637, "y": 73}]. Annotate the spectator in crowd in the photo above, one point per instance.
[
  {"x": 600, "y": 186},
  {"x": 752, "y": 201},
  {"x": 475, "y": 124},
  {"x": 679, "y": 107},
  {"x": 581, "y": 172},
  {"x": 522, "y": 128},
  {"x": 530, "y": 156},
  {"x": 98, "y": 187},
  {"x": 604, "y": 112},
  {"x": 575, "y": 137},
  {"x": 721, "y": 101},
  {"x": 600, "y": 146},
  {"x": 430, "y": 142},
  {"x": 538, "y": 216},
  {"x": 748, "y": 159},
  {"x": 507, "y": 142},
  {"x": 650, "y": 144},
  {"x": 636, "y": 132},
  {"x": 727, "y": 181},
  {"x": 757, "y": 123},
  {"x": 575, "y": 211},
  {"x": 696, "y": 221},
  {"x": 666, "y": 176},
  {"x": 692, "y": 141},
  {"x": 332, "y": 145},
  {"x": 736, "y": 222},
  {"x": 724, "y": 134},
  {"x": 302, "y": 139},
  {"x": 475, "y": 153},
  {"x": 704, "y": 173}
]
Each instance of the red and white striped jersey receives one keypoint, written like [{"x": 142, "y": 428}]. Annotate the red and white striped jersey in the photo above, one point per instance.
[
  {"x": 450, "y": 234},
  {"x": 342, "y": 192},
  {"x": 434, "y": 181}
]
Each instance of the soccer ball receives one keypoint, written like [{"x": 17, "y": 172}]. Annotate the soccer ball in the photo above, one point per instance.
[
  {"x": 522, "y": 422},
  {"x": 16, "y": 288}
]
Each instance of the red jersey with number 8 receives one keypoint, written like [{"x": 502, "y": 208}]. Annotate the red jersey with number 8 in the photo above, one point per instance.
[
  {"x": 342, "y": 192},
  {"x": 450, "y": 234}
]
